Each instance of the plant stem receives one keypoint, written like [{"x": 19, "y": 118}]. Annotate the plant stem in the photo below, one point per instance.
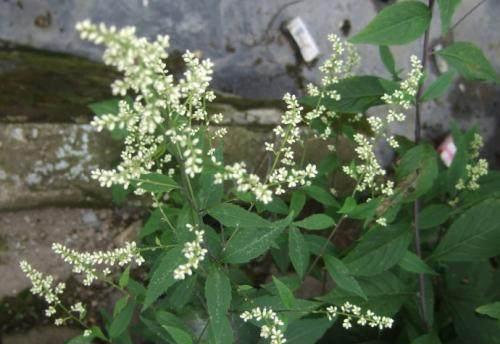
[
  {"x": 416, "y": 205},
  {"x": 325, "y": 245}
]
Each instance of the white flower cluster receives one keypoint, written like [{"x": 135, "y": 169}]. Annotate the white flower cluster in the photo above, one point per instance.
[
  {"x": 368, "y": 170},
  {"x": 407, "y": 91},
  {"x": 42, "y": 285},
  {"x": 353, "y": 312},
  {"x": 163, "y": 110},
  {"x": 340, "y": 64},
  {"x": 193, "y": 252},
  {"x": 91, "y": 264},
  {"x": 288, "y": 133},
  {"x": 272, "y": 327},
  {"x": 475, "y": 169}
]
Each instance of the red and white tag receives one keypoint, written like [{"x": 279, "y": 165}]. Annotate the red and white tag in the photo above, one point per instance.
[{"x": 447, "y": 150}]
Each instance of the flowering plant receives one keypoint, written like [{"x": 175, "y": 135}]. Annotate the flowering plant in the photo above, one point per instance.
[{"x": 212, "y": 222}]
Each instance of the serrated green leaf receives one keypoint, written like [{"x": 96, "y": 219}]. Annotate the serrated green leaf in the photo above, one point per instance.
[
  {"x": 386, "y": 294},
  {"x": 321, "y": 195},
  {"x": 156, "y": 182},
  {"x": 438, "y": 87},
  {"x": 341, "y": 276},
  {"x": 307, "y": 331},
  {"x": 379, "y": 249},
  {"x": 358, "y": 93},
  {"x": 469, "y": 61},
  {"x": 179, "y": 336},
  {"x": 231, "y": 215},
  {"x": 152, "y": 224},
  {"x": 249, "y": 243},
  {"x": 163, "y": 276},
  {"x": 492, "y": 310},
  {"x": 473, "y": 236},
  {"x": 446, "y": 10},
  {"x": 388, "y": 60},
  {"x": 124, "y": 277},
  {"x": 298, "y": 251},
  {"x": 418, "y": 168},
  {"x": 397, "y": 24},
  {"x": 284, "y": 293},
  {"x": 297, "y": 202},
  {"x": 434, "y": 215},
  {"x": 430, "y": 338},
  {"x": 218, "y": 296},
  {"x": 412, "y": 263},
  {"x": 122, "y": 320},
  {"x": 119, "y": 305},
  {"x": 315, "y": 222}
]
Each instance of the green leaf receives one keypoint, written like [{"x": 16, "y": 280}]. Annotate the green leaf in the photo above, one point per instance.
[
  {"x": 297, "y": 202},
  {"x": 316, "y": 222},
  {"x": 218, "y": 296},
  {"x": 156, "y": 182},
  {"x": 434, "y": 215},
  {"x": 119, "y": 193},
  {"x": 152, "y": 224},
  {"x": 412, "y": 263},
  {"x": 119, "y": 305},
  {"x": 386, "y": 293},
  {"x": 430, "y": 338},
  {"x": 363, "y": 211},
  {"x": 307, "y": 331},
  {"x": 179, "y": 336},
  {"x": 121, "y": 322},
  {"x": 400, "y": 23},
  {"x": 298, "y": 251},
  {"x": 473, "y": 236},
  {"x": 418, "y": 168},
  {"x": 469, "y": 61},
  {"x": 249, "y": 243},
  {"x": 446, "y": 10},
  {"x": 285, "y": 294},
  {"x": 357, "y": 93},
  {"x": 231, "y": 215},
  {"x": 491, "y": 310},
  {"x": 438, "y": 87},
  {"x": 321, "y": 195},
  {"x": 341, "y": 276},
  {"x": 388, "y": 60},
  {"x": 163, "y": 276},
  {"x": 380, "y": 249},
  {"x": 124, "y": 277}
]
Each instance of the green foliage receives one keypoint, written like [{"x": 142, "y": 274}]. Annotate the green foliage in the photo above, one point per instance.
[
  {"x": 358, "y": 94},
  {"x": 446, "y": 10},
  {"x": 379, "y": 250},
  {"x": 400, "y": 23},
  {"x": 314, "y": 247},
  {"x": 473, "y": 236},
  {"x": 315, "y": 222},
  {"x": 438, "y": 87},
  {"x": 341, "y": 276},
  {"x": 469, "y": 61},
  {"x": 298, "y": 250},
  {"x": 218, "y": 296}
]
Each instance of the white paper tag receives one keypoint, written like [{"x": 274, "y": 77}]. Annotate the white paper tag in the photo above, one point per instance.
[{"x": 308, "y": 48}]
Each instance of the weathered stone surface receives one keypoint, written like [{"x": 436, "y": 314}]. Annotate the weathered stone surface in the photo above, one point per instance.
[
  {"x": 39, "y": 86},
  {"x": 42, "y": 335},
  {"x": 29, "y": 234},
  {"x": 44, "y": 164},
  {"x": 50, "y": 164}
]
